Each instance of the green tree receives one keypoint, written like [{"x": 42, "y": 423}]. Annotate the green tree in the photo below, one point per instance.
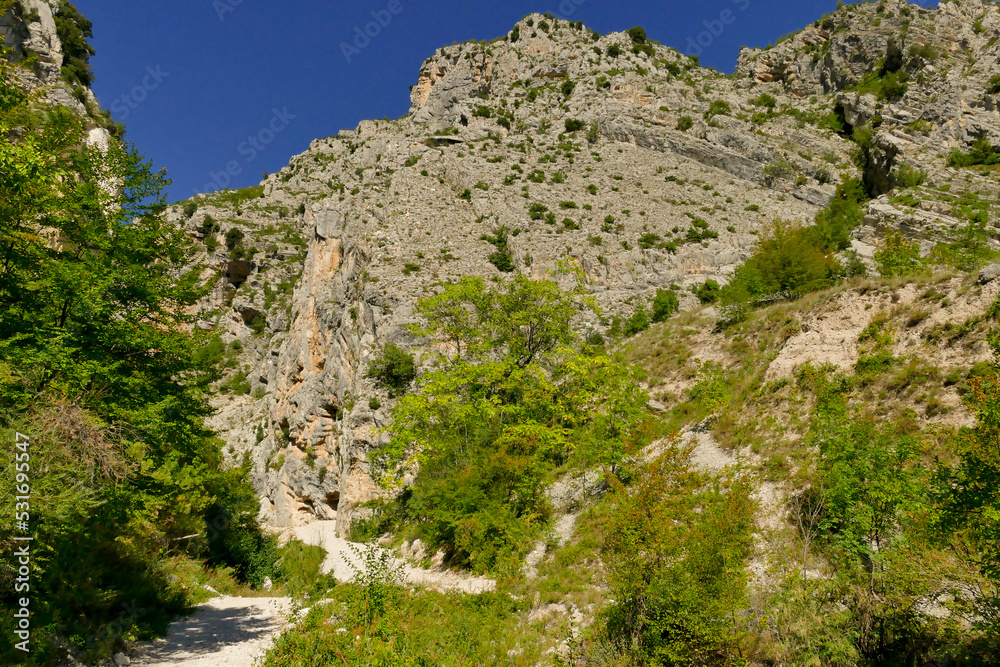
[
  {"x": 515, "y": 402},
  {"x": 676, "y": 552},
  {"x": 97, "y": 367}
]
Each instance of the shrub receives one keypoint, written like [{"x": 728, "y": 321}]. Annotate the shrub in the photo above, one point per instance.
[
  {"x": 649, "y": 240},
  {"x": 718, "y": 108},
  {"x": 190, "y": 208},
  {"x": 394, "y": 369},
  {"x": 234, "y": 238},
  {"x": 614, "y": 51},
  {"x": 895, "y": 255},
  {"x": 685, "y": 123},
  {"x": 637, "y": 322},
  {"x": 574, "y": 124},
  {"x": 981, "y": 152},
  {"x": 537, "y": 211},
  {"x": 993, "y": 87},
  {"x": 764, "y": 100},
  {"x": 707, "y": 292},
  {"x": 665, "y": 304},
  {"x": 567, "y": 88},
  {"x": 637, "y": 34},
  {"x": 501, "y": 258},
  {"x": 909, "y": 177}
]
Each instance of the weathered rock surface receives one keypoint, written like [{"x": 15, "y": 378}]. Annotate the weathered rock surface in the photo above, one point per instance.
[{"x": 575, "y": 144}]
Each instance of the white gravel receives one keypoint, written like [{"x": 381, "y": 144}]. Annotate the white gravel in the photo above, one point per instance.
[{"x": 223, "y": 632}]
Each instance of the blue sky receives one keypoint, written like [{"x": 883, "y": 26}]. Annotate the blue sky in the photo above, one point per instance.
[{"x": 193, "y": 80}]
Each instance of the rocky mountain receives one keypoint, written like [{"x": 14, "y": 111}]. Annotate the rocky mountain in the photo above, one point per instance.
[{"x": 607, "y": 161}]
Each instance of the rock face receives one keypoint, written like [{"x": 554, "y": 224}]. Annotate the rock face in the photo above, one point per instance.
[{"x": 618, "y": 165}]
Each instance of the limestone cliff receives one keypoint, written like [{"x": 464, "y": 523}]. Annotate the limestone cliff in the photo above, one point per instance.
[{"x": 608, "y": 160}]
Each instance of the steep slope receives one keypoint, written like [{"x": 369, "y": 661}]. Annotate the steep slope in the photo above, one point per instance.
[{"x": 608, "y": 160}]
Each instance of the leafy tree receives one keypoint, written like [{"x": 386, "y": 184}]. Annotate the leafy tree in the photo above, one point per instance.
[
  {"x": 97, "y": 368},
  {"x": 971, "y": 489},
  {"x": 512, "y": 404},
  {"x": 676, "y": 550}
]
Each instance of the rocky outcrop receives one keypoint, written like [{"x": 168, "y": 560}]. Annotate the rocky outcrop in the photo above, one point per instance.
[{"x": 614, "y": 164}]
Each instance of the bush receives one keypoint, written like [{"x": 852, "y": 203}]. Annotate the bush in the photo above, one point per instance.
[
  {"x": 234, "y": 238},
  {"x": 393, "y": 369},
  {"x": 718, "y": 108},
  {"x": 685, "y": 123},
  {"x": 190, "y": 208},
  {"x": 764, "y": 100},
  {"x": 993, "y": 87},
  {"x": 676, "y": 554},
  {"x": 637, "y": 34},
  {"x": 501, "y": 258},
  {"x": 567, "y": 88},
  {"x": 909, "y": 177},
  {"x": 614, "y": 51},
  {"x": 707, "y": 292},
  {"x": 574, "y": 124},
  {"x": 788, "y": 260},
  {"x": 665, "y": 304},
  {"x": 981, "y": 152},
  {"x": 895, "y": 255}
]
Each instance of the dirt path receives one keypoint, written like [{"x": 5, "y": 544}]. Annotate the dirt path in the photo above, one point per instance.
[
  {"x": 223, "y": 632},
  {"x": 339, "y": 557}
]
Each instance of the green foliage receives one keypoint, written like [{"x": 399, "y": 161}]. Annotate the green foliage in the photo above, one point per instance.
[
  {"x": 980, "y": 153},
  {"x": 895, "y": 255},
  {"x": 909, "y": 177},
  {"x": 835, "y": 223},
  {"x": 234, "y": 238},
  {"x": 490, "y": 426},
  {"x": 574, "y": 124},
  {"x": 502, "y": 258},
  {"x": 994, "y": 85},
  {"x": 685, "y": 123},
  {"x": 73, "y": 30},
  {"x": 675, "y": 553},
  {"x": 868, "y": 479},
  {"x": 707, "y": 292},
  {"x": 718, "y": 108},
  {"x": 98, "y": 368},
  {"x": 414, "y": 629},
  {"x": 637, "y": 34},
  {"x": 764, "y": 100},
  {"x": 665, "y": 304},
  {"x": 393, "y": 369},
  {"x": 888, "y": 86},
  {"x": 567, "y": 88},
  {"x": 190, "y": 208},
  {"x": 972, "y": 490}
]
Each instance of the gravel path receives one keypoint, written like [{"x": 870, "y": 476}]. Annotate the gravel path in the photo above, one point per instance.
[
  {"x": 234, "y": 631},
  {"x": 223, "y": 632},
  {"x": 339, "y": 556}
]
